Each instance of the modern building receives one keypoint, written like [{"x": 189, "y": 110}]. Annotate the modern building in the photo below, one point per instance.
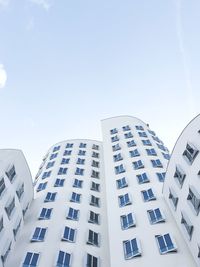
[
  {"x": 182, "y": 186},
  {"x": 100, "y": 204},
  {"x": 16, "y": 194}
]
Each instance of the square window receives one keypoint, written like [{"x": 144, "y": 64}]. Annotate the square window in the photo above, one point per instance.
[
  {"x": 2, "y": 185},
  {"x": 179, "y": 176},
  {"x": 121, "y": 183},
  {"x": 138, "y": 165},
  {"x": 134, "y": 153},
  {"x": 131, "y": 143},
  {"x": 119, "y": 169},
  {"x": 148, "y": 195},
  {"x": 194, "y": 199},
  {"x": 64, "y": 259},
  {"x": 131, "y": 248},
  {"x": 50, "y": 197},
  {"x": 161, "y": 176},
  {"x": 188, "y": 227},
  {"x": 31, "y": 259},
  {"x": 190, "y": 153},
  {"x": 73, "y": 214},
  {"x": 41, "y": 186},
  {"x": 92, "y": 261},
  {"x": 69, "y": 234},
  {"x": 75, "y": 197},
  {"x": 45, "y": 214},
  {"x": 11, "y": 173},
  {"x": 155, "y": 216},
  {"x": 59, "y": 182},
  {"x": 165, "y": 244},
  {"x": 173, "y": 198},
  {"x": 93, "y": 238},
  {"x": 124, "y": 200},
  {"x": 127, "y": 221},
  {"x": 156, "y": 163},
  {"x": 39, "y": 234}
]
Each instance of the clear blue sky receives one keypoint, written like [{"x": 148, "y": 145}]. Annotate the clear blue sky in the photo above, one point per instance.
[{"x": 71, "y": 63}]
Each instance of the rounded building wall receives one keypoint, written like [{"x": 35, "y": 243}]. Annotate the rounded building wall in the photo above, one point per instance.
[
  {"x": 181, "y": 187},
  {"x": 78, "y": 170}
]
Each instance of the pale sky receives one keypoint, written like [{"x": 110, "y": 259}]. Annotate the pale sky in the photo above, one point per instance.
[{"x": 71, "y": 63}]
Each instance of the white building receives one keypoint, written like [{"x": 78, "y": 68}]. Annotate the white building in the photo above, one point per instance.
[
  {"x": 16, "y": 193},
  {"x": 182, "y": 186},
  {"x": 100, "y": 204}
]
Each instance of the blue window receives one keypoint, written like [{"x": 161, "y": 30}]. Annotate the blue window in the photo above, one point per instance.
[
  {"x": 95, "y": 174},
  {"x": 124, "y": 200},
  {"x": 65, "y": 160},
  {"x": 50, "y": 164},
  {"x": 41, "y": 186},
  {"x": 138, "y": 165},
  {"x": 188, "y": 227},
  {"x": 95, "y": 187},
  {"x": 59, "y": 182},
  {"x": 53, "y": 156},
  {"x": 173, "y": 198},
  {"x": 39, "y": 234},
  {"x": 96, "y": 147},
  {"x": 119, "y": 169},
  {"x": 166, "y": 156},
  {"x": 113, "y": 131},
  {"x": 11, "y": 173},
  {"x": 81, "y": 152},
  {"x": 157, "y": 139},
  {"x": 151, "y": 152},
  {"x": 155, "y": 216},
  {"x": 131, "y": 248},
  {"x": 50, "y": 197},
  {"x": 148, "y": 195},
  {"x": 69, "y": 234},
  {"x": 45, "y": 214},
  {"x": 95, "y": 201},
  {"x": 127, "y": 221},
  {"x": 165, "y": 244},
  {"x": 134, "y": 153},
  {"x": 94, "y": 217},
  {"x": 64, "y": 259},
  {"x": 193, "y": 199},
  {"x": 67, "y": 153},
  {"x": 73, "y": 214},
  {"x": 77, "y": 183},
  {"x": 179, "y": 175},
  {"x": 151, "y": 132},
  {"x": 161, "y": 147},
  {"x": 128, "y": 135},
  {"x": 142, "y": 134},
  {"x": 9, "y": 208},
  {"x": 31, "y": 259},
  {"x": 114, "y": 138},
  {"x": 46, "y": 174},
  {"x": 142, "y": 178},
  {"x": 95, "y": 155},
  {"x": 131, "y": 143},
  {"x": 75, "y": 197},
  {"x": 82, "y": 145},
  {"x": 146, "y": 142},
  {"x": 56, "y": 148},
  {"x": 62, "y": 171},
  {"x": 93, "y": 238},
  {"x": 92, "y": 261},
  {"x": 156, "y": 163},
  {"x": 69, "y": 145},
  {"x": 161, "y": 176},
  {"x": 117, "y": 157},
  {"x": 190, "y": 153},
  {"x": 95, "y": 164},
  {"x": 79, "y": 171},
  {"x": 116, "y": 147},
  {"x": 80, "y": 161},
  {"x": 139, "y": 127},
  {"x": 126, "y": 128},
  {"x": 121, "y": 183}
]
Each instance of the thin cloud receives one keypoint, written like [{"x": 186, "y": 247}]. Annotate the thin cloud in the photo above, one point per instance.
[
  {"x": 4, "y": 3},
  {"x": 31, "y": 24},
  {"x": 187, "y": 73},
  {"x": 3, "y": 76},
  {"x": 46, "y": 4}
]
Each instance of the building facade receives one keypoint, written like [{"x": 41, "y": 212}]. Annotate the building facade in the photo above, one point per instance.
[
  {"x": 97, "y": 204},
  {"x": 182, "y": 186},
  {"x": 16, "y": 194}
]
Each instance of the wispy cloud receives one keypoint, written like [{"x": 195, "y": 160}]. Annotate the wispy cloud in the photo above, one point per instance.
[
  {"x": 46, "y": 4},
  {"x": 184, "y": 55},
  {"x": 3, "y": 76},
  {"x": 4, "y": 3},
  {"x": 30, "y": 25}
]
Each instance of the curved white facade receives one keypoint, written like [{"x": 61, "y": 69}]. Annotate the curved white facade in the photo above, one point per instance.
[
  {"x": 81, "y": 178},
  {"x": 100, "y": 204},
  {"x": 151, "y": 229},
  {"x": 16, "y": 193},
  {"x": 182, "y": 186}
]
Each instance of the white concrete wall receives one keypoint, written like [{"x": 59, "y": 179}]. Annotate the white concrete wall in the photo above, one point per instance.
[
  {"x": 50, "y": 247},
  {"x": 144, "y": 231},
  {"x": 189, "y": 134},
  {"x": 9, "y": 157}
]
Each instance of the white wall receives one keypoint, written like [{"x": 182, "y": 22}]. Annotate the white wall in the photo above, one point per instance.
[
  {"x": 190, "y": 134},
  {"x": 144, "y": 231}
]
